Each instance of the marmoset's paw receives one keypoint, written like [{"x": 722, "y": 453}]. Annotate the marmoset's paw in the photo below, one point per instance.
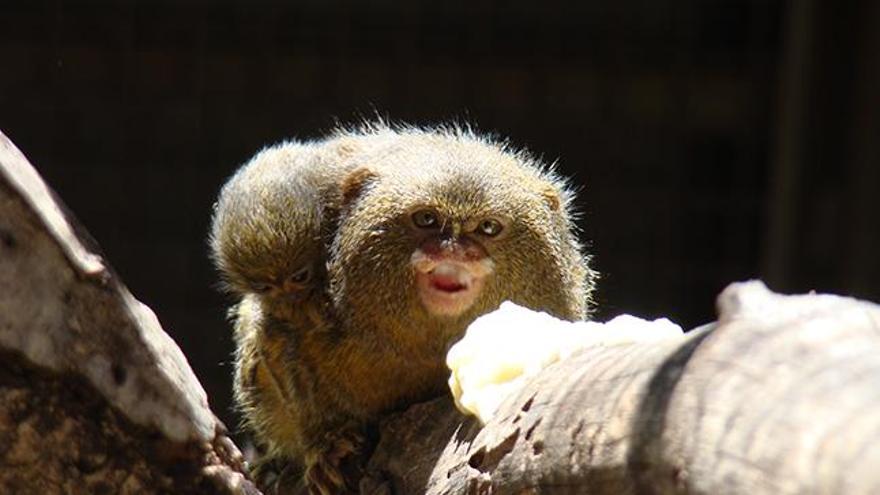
[{"x": 338, "y": 468}]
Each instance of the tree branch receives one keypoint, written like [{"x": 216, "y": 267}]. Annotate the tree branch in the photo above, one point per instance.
[
  {"x": 779, "y": 397},
  {"x": 94, "y": 396}
]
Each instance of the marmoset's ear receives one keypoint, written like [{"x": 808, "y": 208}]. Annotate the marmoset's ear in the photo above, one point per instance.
[
  {"x": 551, "y": 197},
  {"x": 355, "y": 183}
]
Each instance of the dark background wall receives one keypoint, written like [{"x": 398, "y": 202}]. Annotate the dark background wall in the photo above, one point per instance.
[{"x": 714, "y": 140}]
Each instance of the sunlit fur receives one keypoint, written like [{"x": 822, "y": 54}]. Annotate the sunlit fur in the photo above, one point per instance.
[
  {"x": 274, "y": 217},
  {"x": 370, "y": 346},
  {"x": 268, "y": 220},
  {"x": 538, "y": 263}
]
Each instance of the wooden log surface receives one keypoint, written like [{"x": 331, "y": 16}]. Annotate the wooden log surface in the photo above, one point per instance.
[
  {"x": 94, "y": 396},
  {"x": 781, "y": 396}
]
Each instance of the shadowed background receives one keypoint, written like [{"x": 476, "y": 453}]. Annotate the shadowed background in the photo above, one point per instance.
[{"x": 713, "y": 141}]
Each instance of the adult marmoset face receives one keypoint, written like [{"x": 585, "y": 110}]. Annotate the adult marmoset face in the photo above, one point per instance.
[{"x": 441, "y": 227}]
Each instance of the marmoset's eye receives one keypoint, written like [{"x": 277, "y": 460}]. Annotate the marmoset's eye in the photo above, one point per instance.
[
  {"x": 425, "y": 219},
  {"x": 490, "y": 227},
  {"x": 260, "y": 287},
  {"x": 302, "y": 276}
]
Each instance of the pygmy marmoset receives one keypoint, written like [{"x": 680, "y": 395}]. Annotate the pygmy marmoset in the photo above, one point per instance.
[
  {"x": 425, "y": 231},
  {"x": 268, "y": 236}
]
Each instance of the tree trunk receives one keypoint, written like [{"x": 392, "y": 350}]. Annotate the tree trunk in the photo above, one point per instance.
[{"x": 94, "y": 396}]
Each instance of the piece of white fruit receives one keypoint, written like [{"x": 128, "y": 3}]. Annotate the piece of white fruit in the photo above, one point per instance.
[{"x": 502, "y": 349}]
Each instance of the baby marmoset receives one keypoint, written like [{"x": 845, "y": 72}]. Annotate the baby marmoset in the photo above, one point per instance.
[
  {"x": 269, "y": 231},
  {"x": 426, "y": 230}
]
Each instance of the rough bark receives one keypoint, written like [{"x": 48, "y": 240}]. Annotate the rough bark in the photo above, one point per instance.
[
  {"x": 780, "y": 396},
  {"x": 94, "y": 396}
]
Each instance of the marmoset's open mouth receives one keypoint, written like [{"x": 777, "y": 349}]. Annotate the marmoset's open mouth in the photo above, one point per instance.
[
  {"x": 446, "y": 283},
  {"x": 449, "y": 288}
]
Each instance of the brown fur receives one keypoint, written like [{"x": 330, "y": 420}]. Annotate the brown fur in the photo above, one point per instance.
[
  {"x": 398, "y": 347},
  {"x": 370, "y": 346},
  {"x": 274, "y": 218}
]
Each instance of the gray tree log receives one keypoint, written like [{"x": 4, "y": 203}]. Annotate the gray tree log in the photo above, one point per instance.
[
  {"x": 782, "y": 395},
  {"x": 94, "y": 396}
]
